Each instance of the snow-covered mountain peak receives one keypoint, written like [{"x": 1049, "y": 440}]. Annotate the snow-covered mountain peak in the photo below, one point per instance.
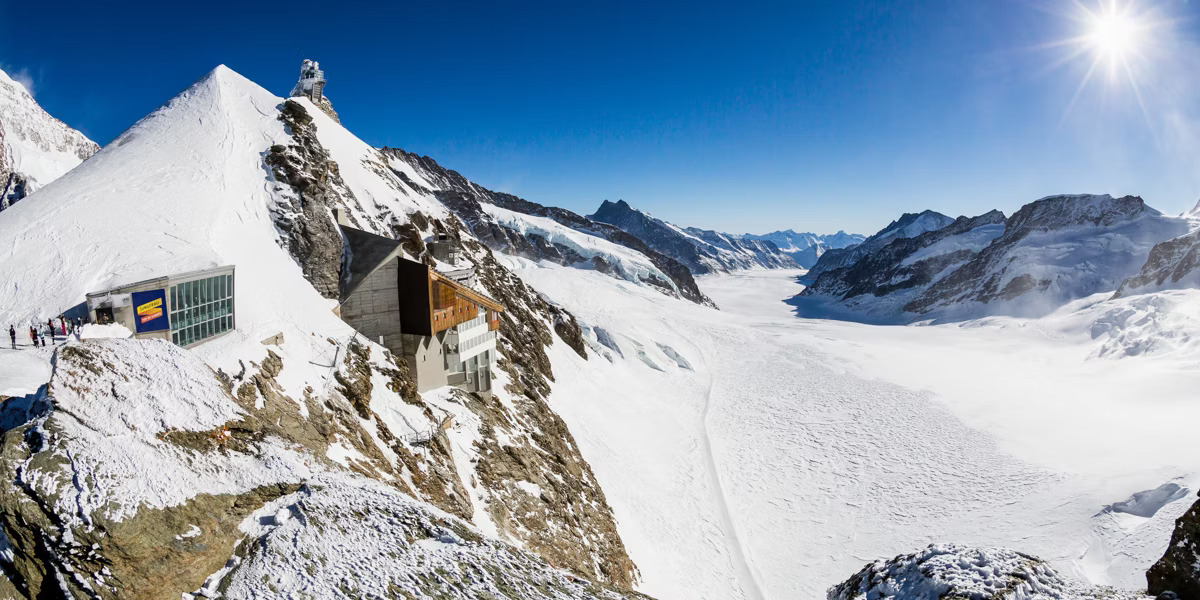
[{"x": 35, "y": 148}]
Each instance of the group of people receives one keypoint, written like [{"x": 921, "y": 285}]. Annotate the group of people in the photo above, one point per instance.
[{"x": 38, "y": 334}]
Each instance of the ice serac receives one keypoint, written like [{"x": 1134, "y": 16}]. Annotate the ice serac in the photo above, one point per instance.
[
  {"x": 955, "y": 571},
  {"x": 908, "y": 225},
  {"x": 517, "y": 226},
  {"x": 807, "y": 248},
  {"x": 908, "y": 265},
  {"x": 1055, "y": 250},
  {"x": 35, "y": 148},
  {"x": 1179, "y": 569},
  {"x": 227, "y": 173}
]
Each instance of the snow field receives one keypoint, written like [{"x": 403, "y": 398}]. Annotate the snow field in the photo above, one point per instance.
[{"x": 833, "y": 444}]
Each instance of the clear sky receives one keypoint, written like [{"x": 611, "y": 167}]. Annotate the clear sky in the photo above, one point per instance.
[{"x": 746, "y": 116}]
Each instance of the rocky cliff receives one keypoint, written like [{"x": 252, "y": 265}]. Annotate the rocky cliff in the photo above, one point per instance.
[
  {"x": 1179, "y": 569},
  {"x": 35, "y": 148}
]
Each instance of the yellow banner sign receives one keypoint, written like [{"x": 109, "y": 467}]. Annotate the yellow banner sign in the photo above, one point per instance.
[{"x": 150, "y": 306}]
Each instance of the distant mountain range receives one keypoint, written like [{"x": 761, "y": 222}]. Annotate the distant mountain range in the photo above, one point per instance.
[
  {"x": 806, "y": 248},
  {"x": 707, "y": 251},
  {"x": 1050, "y": 252}
]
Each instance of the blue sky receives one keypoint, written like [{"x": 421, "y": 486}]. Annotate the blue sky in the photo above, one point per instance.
[{"x": 736, "y": 116}]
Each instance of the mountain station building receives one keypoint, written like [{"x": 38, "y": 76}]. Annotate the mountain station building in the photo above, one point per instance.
[
  {"x": 186, "y": 309},
  {"x": 443, "y": 328}
]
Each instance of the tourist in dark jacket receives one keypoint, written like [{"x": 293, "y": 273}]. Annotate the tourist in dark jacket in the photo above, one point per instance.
[
  {"x": 12, "y": 335},
  {"x": 33, "y": 335}
]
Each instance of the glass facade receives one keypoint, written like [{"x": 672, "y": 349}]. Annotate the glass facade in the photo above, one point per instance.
[{"x": 201, "y": 309}]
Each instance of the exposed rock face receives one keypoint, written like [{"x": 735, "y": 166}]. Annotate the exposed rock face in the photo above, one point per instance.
[
  {"x": 1009, "y": 268},
  {"x": 900, "y": 265},
  {"x": 953, "y": 571},
  {"x": 304, "y": 213},
  {"x": 701, "y": 251},
  {"x": 35, "y": 148},
  {"x": 807, "y": 248},
  {"x": 464, "y": 198},
  {"x": 908, "y": 225},
  {"x": 1173, "y": 263},
  {"x": 1179, "y": 569}
]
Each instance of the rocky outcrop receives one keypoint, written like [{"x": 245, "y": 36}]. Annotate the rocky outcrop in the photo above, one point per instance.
[
  {"x": 1178, "y": 570},
  {"x": 701, "y": 251},
  {"x": 910, "y": 263},
  {"x": 35, "y": 148},
  {"x": 953, "y": 571},
  {"x": 464, "y": 198},
  {"x": 1172, "y": 264},
  {"x": 313, "y": 189}
]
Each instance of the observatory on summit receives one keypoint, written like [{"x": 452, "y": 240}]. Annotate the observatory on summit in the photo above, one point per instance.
[{"x": 311, "y": 82}]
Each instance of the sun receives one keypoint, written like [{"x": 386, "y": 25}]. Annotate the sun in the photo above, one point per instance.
[{"x": 1114, "y": 34}]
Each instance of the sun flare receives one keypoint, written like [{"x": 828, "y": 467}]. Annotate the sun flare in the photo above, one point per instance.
[{"x": 1114, "y": 34}]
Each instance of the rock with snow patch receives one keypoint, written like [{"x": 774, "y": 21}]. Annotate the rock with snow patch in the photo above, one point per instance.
[
  {"x": 953, "y": 571},
  {"x": 1178, "y": 570}
]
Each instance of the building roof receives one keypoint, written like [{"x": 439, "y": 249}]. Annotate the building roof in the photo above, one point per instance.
[
  {"x": 467, "y": 292},
  {"x": 367, "y": 253}
]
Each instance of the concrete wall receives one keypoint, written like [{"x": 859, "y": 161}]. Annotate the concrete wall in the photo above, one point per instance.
[
  {"x": 426, "y": 358},
  {"x": 374, "y": 308}
]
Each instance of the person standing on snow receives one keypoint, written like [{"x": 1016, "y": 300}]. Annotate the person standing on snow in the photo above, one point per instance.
[
  {"x": 50, "y": 326},
  {"x": 33, "y": 335},
  {"x": 12, "y": 335}
]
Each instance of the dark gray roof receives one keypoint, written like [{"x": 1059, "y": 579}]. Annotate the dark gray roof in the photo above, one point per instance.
[{"x": 367, "y": 252}]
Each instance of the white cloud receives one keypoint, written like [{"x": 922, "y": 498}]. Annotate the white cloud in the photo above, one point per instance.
[{"x": 25, "y": 78}]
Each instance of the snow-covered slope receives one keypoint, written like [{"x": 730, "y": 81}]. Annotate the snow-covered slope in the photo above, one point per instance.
[
  {"x": 35, "y": 148},
  {"x": 227, "y": 173},
  {"x": 908, "y": 225},
  {"x": 701, "y": 250},
  {"x": 806, "y": 248},
  {"x": 789, "y": 452}
]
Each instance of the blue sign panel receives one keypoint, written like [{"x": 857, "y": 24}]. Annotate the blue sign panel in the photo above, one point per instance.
[{"x": 150, "y": 311}]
